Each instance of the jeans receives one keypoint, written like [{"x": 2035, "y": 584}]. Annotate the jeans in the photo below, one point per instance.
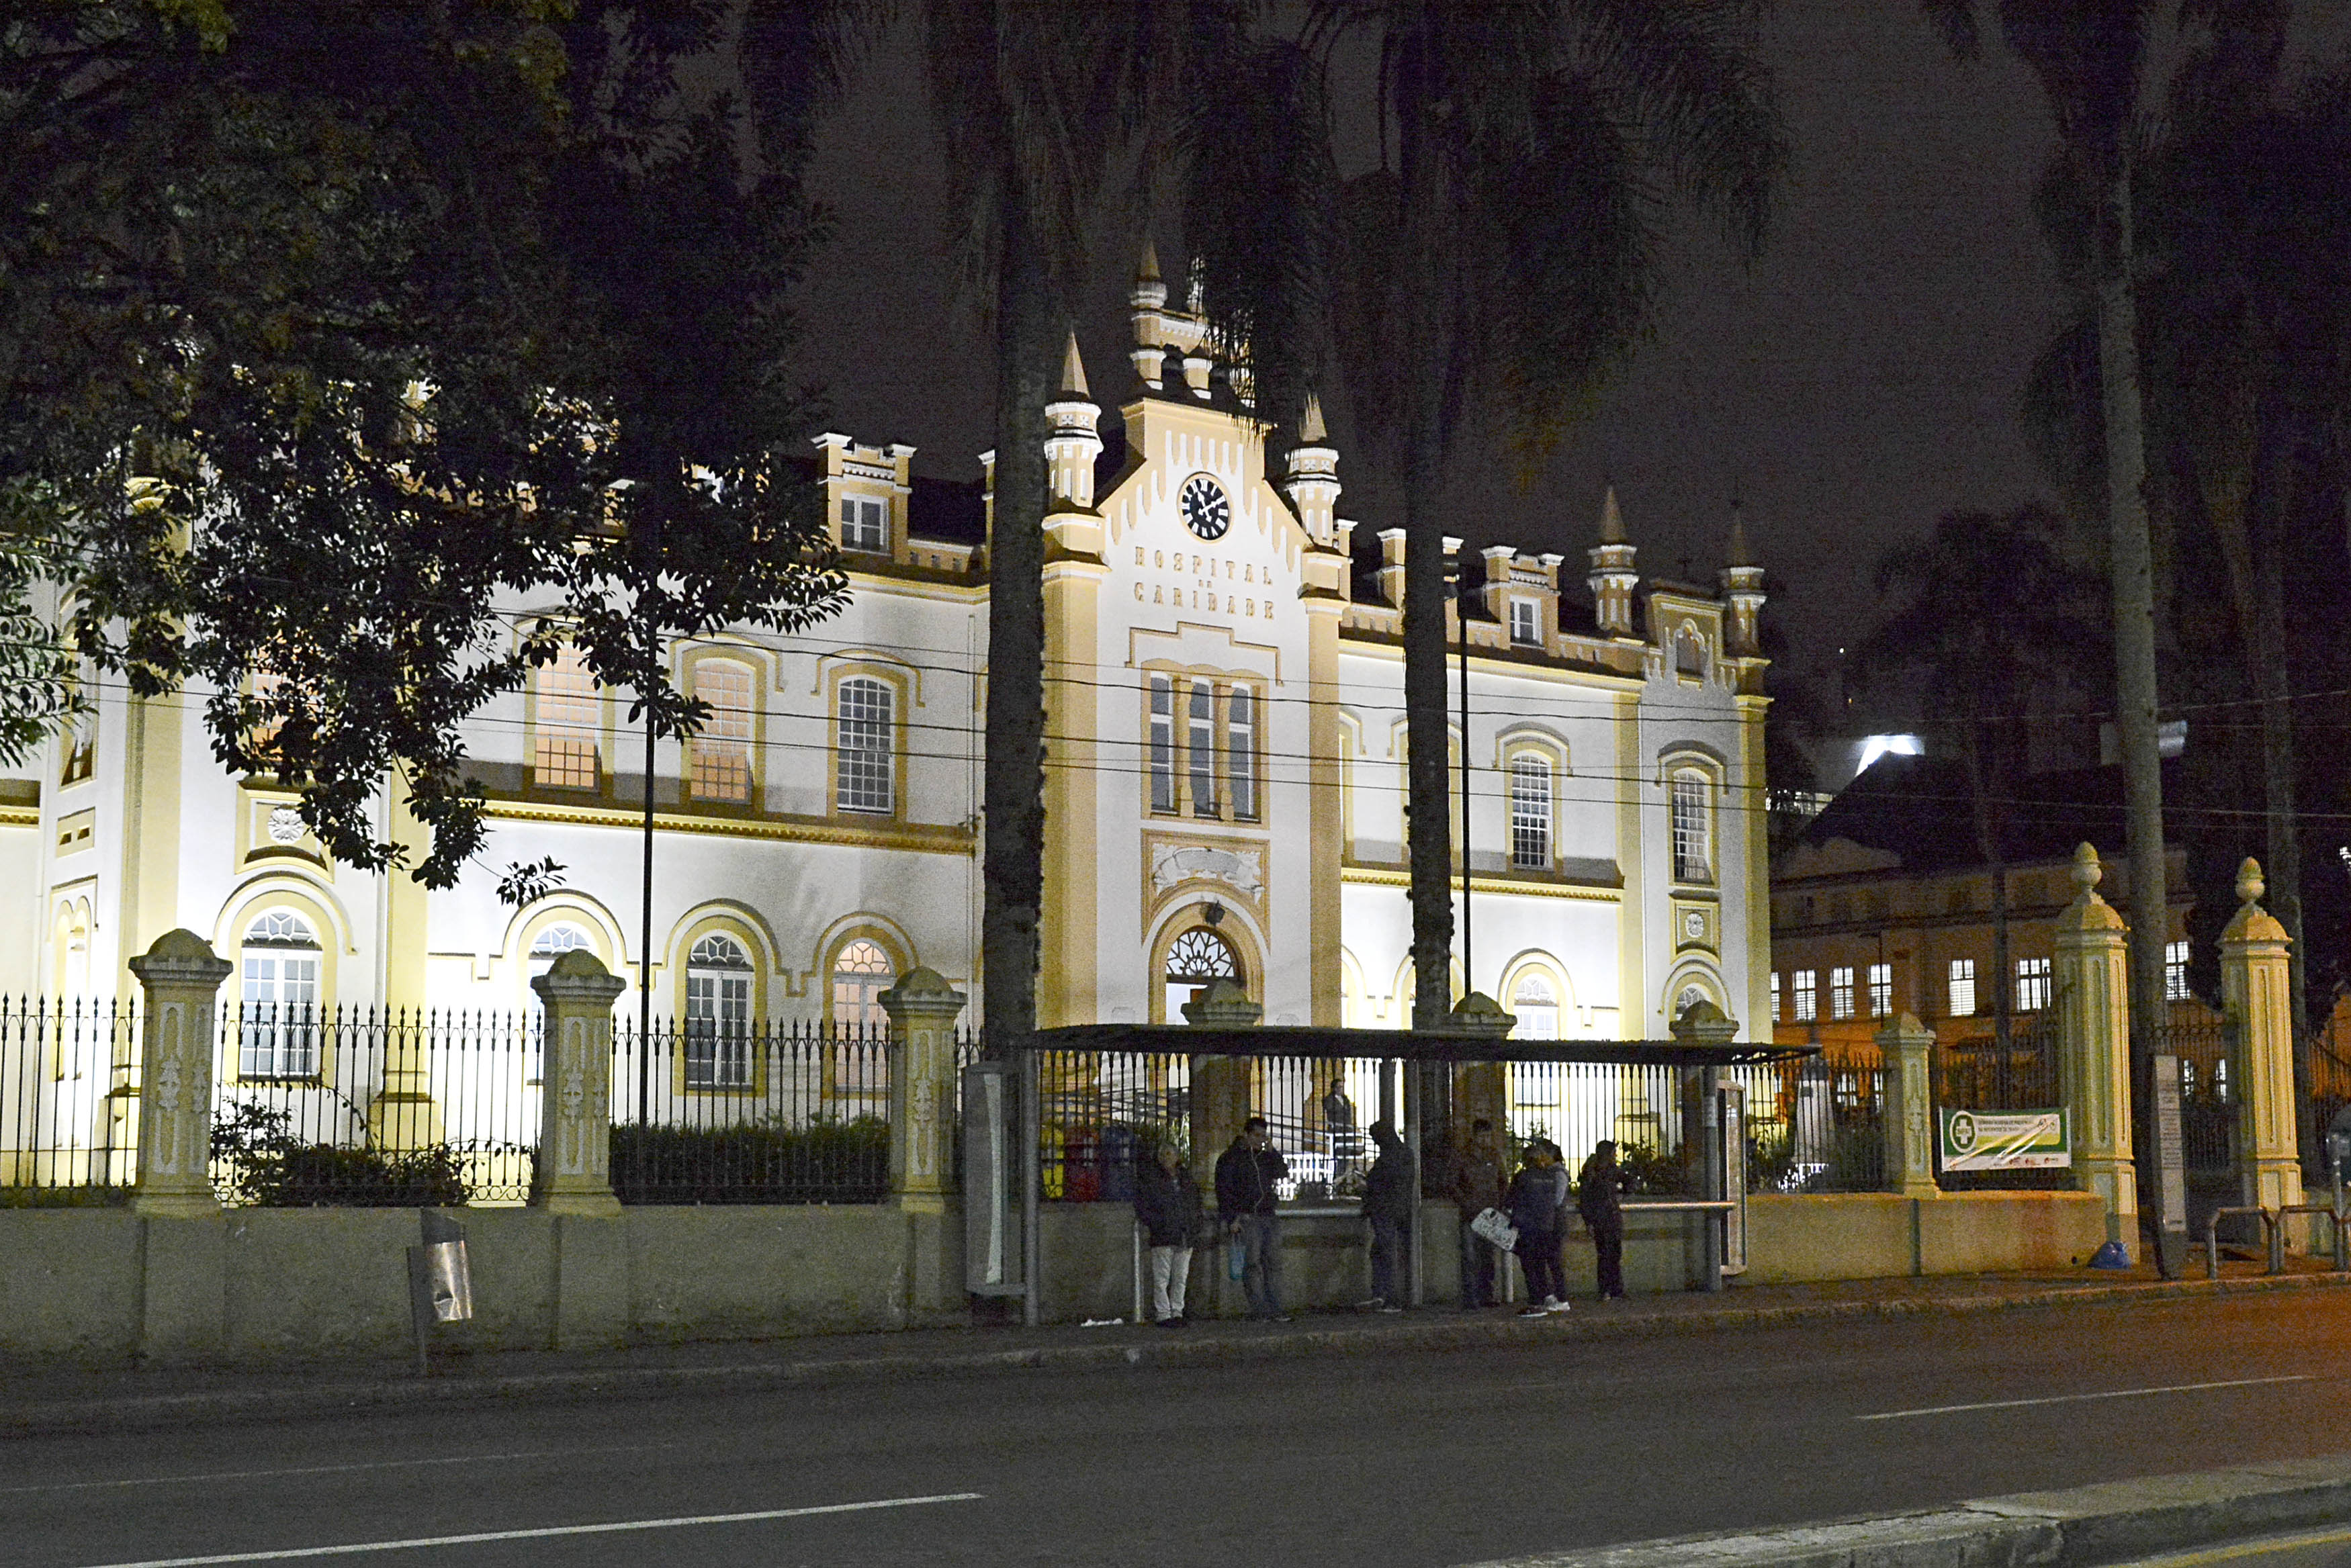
[
  {"x": 1170, "y": 1268},
  {"x": 1261, "y": 1263},
  {"x": 1477, "y": 1268},
  {"x": 1608, "y": 1240},
  {"x": 1539, "y": 1256},
  {"x": 1387, "y": 1249}
]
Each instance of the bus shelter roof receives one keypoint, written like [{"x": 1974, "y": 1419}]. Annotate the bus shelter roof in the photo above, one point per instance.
[{"x": 1412, "y": 1046}]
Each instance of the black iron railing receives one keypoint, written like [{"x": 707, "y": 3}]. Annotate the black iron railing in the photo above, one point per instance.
[{"x": 69, "y": 1083}]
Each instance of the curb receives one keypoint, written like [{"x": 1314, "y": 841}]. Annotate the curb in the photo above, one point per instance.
[
  {"x": 2109, "y": 1523},
  {"x": 144, "y": 1411}
]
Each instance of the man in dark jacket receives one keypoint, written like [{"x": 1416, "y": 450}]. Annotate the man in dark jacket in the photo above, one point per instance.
[
  {"x": 1600, "y": 1199},
  {"x": 1167, "y": 1207},
  {"x": 1247, "y": 1175},
  {"x": 1388, "y": 1204},
  {"x": 1474, "y": 1180}
]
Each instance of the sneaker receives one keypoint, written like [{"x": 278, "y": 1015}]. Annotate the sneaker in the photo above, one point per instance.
[
  {"x": 1534, "y": 1311},
  {"x": 1171, "y": 1323},
  {"x": 1557, "y": 1306},
  {"x": 1279, "y": 1317},
  {"x": 1375, "y": 1303},
  {"x": 1390, "y": 1306}
]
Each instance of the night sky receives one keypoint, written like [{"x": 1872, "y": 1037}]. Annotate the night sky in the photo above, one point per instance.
[{"x": 1853, "y": 385}]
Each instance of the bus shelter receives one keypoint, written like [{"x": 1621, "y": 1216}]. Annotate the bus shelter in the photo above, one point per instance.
[{"x": 1025, "y": 1113}]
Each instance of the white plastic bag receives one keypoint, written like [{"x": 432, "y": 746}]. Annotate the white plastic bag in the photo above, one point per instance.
[{"x": 1494, "y": 1227}]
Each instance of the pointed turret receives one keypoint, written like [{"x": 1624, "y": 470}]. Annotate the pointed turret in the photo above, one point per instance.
[
  {"x": 1146, "y": 301},
  {"x": 1613, "y": 576},
  {"x": 1147, "y": 270},
  {"x": 1742, "y": 592},
  {"x": 1312, "y": 481},
  {"x": 1072, "y": 442}
]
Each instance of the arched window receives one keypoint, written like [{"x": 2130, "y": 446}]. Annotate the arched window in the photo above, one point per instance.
[
  {"x": 718, "y": 759},
  {"x": 862, "y": 971},
  {"x": 717, "y": 1014},
  {"x": 1536, "y": 1005},
  {"x": 1693, "y": 828},
  {"x": 1690, "y": 997},
  {"x": 1531, "y": 812},
  {"x": 1197, "y": 957},
  {"x": 278, "y": 1022},
  {"x": 555, "y": 942},
  {"x": 864, "y": 778}
]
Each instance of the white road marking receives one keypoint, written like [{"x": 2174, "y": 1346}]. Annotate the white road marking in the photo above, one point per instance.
[
  {"x": 332, "y": 1470},
  {"x": 546, "y": 1532},
  {"x": 2071, "y": 1399}
]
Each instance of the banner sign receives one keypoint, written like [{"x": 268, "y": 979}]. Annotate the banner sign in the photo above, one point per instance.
[{"x": 2006, "y": 1140}]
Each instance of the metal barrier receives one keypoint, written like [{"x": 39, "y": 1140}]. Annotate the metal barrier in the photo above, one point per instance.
[
  {"x": 2277, "y": 1236},
  {"x": 2270, "y": 1235}
]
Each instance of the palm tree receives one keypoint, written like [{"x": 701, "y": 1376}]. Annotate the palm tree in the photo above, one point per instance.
[
  {"x": 2089, "y": 60},
  {"x": 1985, "y": 617},
  {"x": 1490, "y": 272}
]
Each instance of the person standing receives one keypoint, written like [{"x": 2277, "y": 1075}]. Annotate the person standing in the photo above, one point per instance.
[
  {"x": 1167, "y": 1206},
  {"x": 1600, "y": 1199},
  {"x": 1387, "y": 1205},
  {"x": 1539, "y": 1211},
  {"x": 1473, "y": 1179},
  {"x": 1246, "y": 1174}
]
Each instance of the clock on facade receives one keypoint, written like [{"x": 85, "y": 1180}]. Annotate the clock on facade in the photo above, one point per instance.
[{"x": 1205, "y": 511}]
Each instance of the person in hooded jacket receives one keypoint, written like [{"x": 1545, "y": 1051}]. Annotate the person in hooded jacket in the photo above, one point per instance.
[
  {"x": 1167, "y": 1206},
  {"x": 1539, "y": 1211},
  {"x": 1387, "y": 1205},
  {"x": 1248, "y": 1174},
  {"x": 1600, "y": 1199}
]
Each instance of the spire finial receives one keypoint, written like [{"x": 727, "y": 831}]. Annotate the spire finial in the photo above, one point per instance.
[
  {"x": 1073, "y": 370},
  {"x": 2250, "y": 884},
  {"x": 1147, "y": 270},
  {"x": 1311, "y": 430},
  {"x": 1741, "y": 555},
  {"x": 1611, "y": 521}
]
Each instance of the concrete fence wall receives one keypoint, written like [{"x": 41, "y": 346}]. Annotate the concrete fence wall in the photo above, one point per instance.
[{"x": 266, "y": 1284}]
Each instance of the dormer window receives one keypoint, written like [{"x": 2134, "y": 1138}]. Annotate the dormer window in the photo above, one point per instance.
[
  {"x": 1689, "y": 653},
  {"x": 864, "y": 525},
  {"x": 1526, "y": 623}
]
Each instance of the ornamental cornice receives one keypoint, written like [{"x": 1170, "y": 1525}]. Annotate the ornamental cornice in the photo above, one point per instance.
[{"x": 914, "y": 838}]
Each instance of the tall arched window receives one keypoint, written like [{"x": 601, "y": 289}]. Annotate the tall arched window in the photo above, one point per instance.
[
  {"x": 717, "y": 1014},
  {"x": 1197, "y": 957},
  {"x": 1536, "y": 1006},
  {"x": 862, "y": 971},
  {"x": 718, "y": 759},
  {"x": 1531, "y": 812},
  {"x": 864, "y": 778},
  {"x": 1692, "y": 828},
  {"x": 278, "y": 1034}
]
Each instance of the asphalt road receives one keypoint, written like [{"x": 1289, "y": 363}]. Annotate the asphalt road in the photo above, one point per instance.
[{"x": 1410, "y": 1459}]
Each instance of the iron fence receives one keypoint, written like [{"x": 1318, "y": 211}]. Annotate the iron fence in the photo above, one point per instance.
[
  {"x": 708, "y": 1112},
  {"x": 374, "y": 1106},
  {"x": 1978, "y": 1074},
  {"x": 68, "y": 1100}
]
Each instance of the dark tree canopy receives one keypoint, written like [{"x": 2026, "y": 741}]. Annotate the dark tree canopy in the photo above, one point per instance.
[{"x": 354, "y": 355}]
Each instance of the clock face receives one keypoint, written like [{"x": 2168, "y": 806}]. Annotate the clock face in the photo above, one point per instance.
[{"x": 1205, "y": 511}]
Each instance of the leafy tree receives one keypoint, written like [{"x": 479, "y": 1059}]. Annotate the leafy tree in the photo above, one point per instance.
[
  {"x": 354, "y": 355},
  {"x": 1488, "y": 275}
]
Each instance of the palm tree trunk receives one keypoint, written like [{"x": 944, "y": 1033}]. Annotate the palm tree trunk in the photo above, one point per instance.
[
  {"x": 2282, "y": 842},
  {"x": 1427, "y": 735},
  {"x": 1012, "y": 864},
  {"x": 2130, "y": 562}
]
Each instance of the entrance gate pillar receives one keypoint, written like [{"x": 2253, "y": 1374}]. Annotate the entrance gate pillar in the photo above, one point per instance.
[
  {"x": 2253, "y": 991},
  {"x": 182, "y": 978},
  {"x": 1479, "y": 1088},
  {"x": 1222, "y": 1097},
  {"x": 922, "y": 1009},
  {"x": 573, "y": 1172},
  {"x": 1906, "y": 1107},
  {"x": 2093, "y": 984}
]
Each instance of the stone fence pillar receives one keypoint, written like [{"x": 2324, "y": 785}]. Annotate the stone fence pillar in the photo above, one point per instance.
[
  {"x": 573, "y": 1173},
  {"x": 1480, "y": 1088},
  {"x": 2253, "y": 991},
  {"x": 2093, "y": 986},
  {"x": 922, "y": 1009},
  {"x": 1222, "y": 1087},
  {"x": 1906, "y": 1107},
  {"x": 181, "y": 981}
]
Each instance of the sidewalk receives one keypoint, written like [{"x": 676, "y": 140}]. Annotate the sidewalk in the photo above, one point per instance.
[{"x": 37, "y": 1399}]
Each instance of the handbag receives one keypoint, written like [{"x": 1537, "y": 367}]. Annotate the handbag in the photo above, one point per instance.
[{"x": 1493, "y": 1226}]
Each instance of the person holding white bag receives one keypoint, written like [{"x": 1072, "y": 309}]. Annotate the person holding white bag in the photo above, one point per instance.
[{"x": 1473, "y": 1179}]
